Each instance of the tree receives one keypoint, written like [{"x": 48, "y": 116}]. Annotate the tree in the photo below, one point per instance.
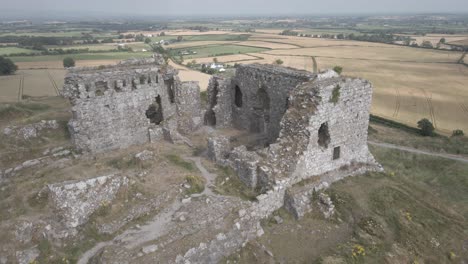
[
  {"x": 442, "y": 40},
  {"x": 278, "y": 62},
  {"x": 215, "y": 60},
  {"x": 162, "y": 34},
  {"x": 7, "y": 66},
  {"x": 427, "y": 129},
  {"x": 427, "y": 44},
  {"x": 68, "y": 62},
  {"x": 179, "y": 38},
  {"x": 147, "y": 40},
  {"x": 457, "y": 133},
  {"x": 338, "y": 69}
]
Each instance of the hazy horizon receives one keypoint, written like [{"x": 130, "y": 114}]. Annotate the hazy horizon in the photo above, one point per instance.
[{"x": 61, "y": 8}]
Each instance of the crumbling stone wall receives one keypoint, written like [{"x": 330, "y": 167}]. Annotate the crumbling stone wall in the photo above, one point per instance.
[
  {"x": 125, "y": 104},
  {"x": 265, "y": 91},
  {"x": 219, "y": 95},
  {"x": 322, "y": 128}
]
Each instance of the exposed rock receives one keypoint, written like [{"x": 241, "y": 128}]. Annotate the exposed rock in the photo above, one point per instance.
[
  {"x": 24, "y": 232},
  {"x": 145, "y": 155},
  {"x": 75, "y": 201},
  {"x": 218, "y": 149},
  {"x": 27, "y": 256},
  {"x": 31, "y": 130},
  {"x": 278, "y": 219},
  {"x": 149, "y": 249},
  {"x": 326, "y": 205}
]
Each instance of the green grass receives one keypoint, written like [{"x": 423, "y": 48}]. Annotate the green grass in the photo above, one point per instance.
[
  {"x": 216, "y": 50},
  {"x": 197, "y": 184},
  {"x": 5, "y": 51},
  {"x": 85, "y": 56},
  {"x": 178, "y": 161},
  {"x": 208, "y": 37},
  {"x": 93, "y": 47},
  {"x": 12, "y": 111},
  {"x": 227, "y": 183}
]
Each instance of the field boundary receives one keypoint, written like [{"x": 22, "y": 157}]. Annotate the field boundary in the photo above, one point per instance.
[
  {"x": 54, "y": 84},
  {"x": 363, "y": 59},
  {"x": 21, "y": 88},
  {"x": 397, "y": 102}
]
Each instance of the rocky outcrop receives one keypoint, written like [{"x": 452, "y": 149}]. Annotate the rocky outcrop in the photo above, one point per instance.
[
  {"x": 30, "y": 131},
  {"x": 75, "y": 201}
]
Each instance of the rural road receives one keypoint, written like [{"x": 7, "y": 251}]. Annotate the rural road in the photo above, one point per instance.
[{"x": 417, "y": 151}]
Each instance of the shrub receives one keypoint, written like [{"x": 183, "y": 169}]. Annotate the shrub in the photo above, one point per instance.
[
  {"x": 335, "y": 94},
  {"x": 7, "y": 66},
  {"x": 278, "y": 62},
  {"x": 196, "y": 184},
  {"x": 457, "y": 133},
  {"x": 338, "y": 69},
  {"x": 68, "y": 62},
  {"x": 427, "y": 129}
]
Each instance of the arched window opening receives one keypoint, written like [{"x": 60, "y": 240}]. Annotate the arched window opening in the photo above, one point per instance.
[
  {"x": 238, "y": 96},
  {"x": 323, "y": 135},
  {"x": 155, "y": 112}
]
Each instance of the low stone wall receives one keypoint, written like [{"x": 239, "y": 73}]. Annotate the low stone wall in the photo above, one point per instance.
[{"x": 75, "y": 201}]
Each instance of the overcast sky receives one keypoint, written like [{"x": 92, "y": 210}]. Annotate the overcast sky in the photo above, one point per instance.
[{"x": 236, "y": 7}]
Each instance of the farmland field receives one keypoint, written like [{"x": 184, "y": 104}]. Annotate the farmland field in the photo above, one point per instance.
[
  {"x": 186, "y": 74},
  {"x": 217, "y": 50},
  {"x": 409, "y": 83},
  {"x": 4, "y": 51},
  {"x": 84, "y": 56},
  {"x": 31, "y": 83}
]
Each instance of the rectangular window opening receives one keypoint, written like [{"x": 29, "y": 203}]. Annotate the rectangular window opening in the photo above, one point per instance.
[{"x": 336, "y": 153}]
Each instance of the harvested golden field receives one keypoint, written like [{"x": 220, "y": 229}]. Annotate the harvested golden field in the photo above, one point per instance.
[
  {"x": 196, "y": 33},
  {"x": 189, "y": 44},
  {"x": 57, "y": 64},
  {"x": 226, "y": 59},
  {"x": 39, "y": 83},
  {"x": 268, "y": 45},
  {"x": 186, "y": 74},
  {"x": 407, "y": 92},
  {"x": 460, "y": 42},
  {"x": 298, "y": 62},
  {"x": 435, "y": 38},
  {"x": 9, "y": 88},
  {"x": 269, "y": 31},
  {"x": 312, "y": 42},
  {"x": 386, "y": 53}
]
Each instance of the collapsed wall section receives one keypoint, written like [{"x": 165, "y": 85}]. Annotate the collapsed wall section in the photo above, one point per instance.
[
  {"x": 219, "y": 99},
  {"x": 259, "y": 97}
]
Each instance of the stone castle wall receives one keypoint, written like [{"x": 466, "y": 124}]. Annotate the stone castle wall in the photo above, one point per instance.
[
  {"x": 265, "y": 91},
  {"x": 111, "y": 106}
]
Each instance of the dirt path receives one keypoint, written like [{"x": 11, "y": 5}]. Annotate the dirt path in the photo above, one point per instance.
[
  {"x": 417, "y": 151},
  {"x": 156, "y": 227}
]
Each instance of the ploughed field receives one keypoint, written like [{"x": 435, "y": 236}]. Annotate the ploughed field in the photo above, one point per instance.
[{"x": 409, "y": 83}]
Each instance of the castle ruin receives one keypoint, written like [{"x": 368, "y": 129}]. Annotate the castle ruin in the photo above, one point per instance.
[
  {"x": 290, "y": 125},
  {"x": 134, "y": 102}
]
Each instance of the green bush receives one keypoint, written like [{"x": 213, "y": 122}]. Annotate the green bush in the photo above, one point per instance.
[
  {"x": 335, "y": 94},
  {"x": 196, "y": 184},
  {"x": 68, "y": 62},
  {"x": 7, "y": 66},
  {"x": 458, "y": 133},
  {"x": 427, "y": 129},
  {"x": 338, "y": 69}
]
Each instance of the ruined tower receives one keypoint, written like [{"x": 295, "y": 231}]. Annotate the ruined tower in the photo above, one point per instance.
[{"x": 133, "y": 102}]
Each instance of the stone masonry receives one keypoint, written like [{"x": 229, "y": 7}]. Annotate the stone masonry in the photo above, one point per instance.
[{"x": 126, "y": 104}]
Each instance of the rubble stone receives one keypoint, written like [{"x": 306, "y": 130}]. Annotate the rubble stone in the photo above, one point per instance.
[{"x": 75, "y": 201}]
